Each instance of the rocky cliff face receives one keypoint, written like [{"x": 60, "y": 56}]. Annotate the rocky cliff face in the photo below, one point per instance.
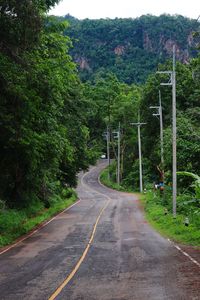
[
  {"x": 119, "y": 50},
  {"x": 147, "y": 44},
  {"x": 83, "y": 63},
  {"x": 166, "y": 45}
]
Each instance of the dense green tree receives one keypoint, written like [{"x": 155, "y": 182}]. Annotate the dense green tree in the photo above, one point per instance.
[
  {"x": 21, "y": 23},
  {"x": 188, "y": 152},
  {"x": 43, "y": 134},
  {"x": 109, "y": 103},
  {"x": 188, "y": 144}
]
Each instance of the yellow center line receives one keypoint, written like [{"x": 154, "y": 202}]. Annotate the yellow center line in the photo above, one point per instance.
[{"x": 71, "y": 275}]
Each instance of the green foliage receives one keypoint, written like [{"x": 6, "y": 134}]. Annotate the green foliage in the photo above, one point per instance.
[
  {"x": 196, "y": 184},
  {"x": 170, "y": 227},
  {"x": 188, "y": 149},
  {"x": 109, "y": 102},
  {"x": 131, "y": 179},
  {"x": 43, "y": 133},
  {"x": 110, "y": 182},
  {"x": 14, "y": 223},
  {"x": 21, "y": 24}
]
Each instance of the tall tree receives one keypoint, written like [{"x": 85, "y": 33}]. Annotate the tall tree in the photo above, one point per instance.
[{"x": 41, "y": 140}]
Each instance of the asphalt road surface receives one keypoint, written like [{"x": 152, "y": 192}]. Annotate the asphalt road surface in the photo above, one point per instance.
[{"x": 100, "y": 248}]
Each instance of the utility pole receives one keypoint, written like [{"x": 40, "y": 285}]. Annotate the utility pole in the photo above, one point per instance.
[
  {"x": 117, "y": 136},
  {"x": 108, "y": 150},
  {"x": 118, "y": 160},
  {"x": 159, "y": 113},
  {"x": 161, "y": 131},
  {"x": 172, "y": 82},
  {"x": 174, "y": 131},
  {"x": 139, "y": 124}
]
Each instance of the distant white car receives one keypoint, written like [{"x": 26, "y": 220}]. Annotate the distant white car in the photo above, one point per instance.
[{"x": 103, "y": 156}]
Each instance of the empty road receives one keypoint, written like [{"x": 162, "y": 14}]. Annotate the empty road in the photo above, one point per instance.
[{"x": 102, "y": 248}]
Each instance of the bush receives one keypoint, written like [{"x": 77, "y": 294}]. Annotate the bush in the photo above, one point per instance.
[
  {"x": 14, "y": 223},
  {"x": 160, "y": 216},
  {"x": 11, "y": 220}
]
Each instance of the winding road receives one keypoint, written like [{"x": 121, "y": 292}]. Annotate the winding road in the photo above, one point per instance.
[{"x": 101, "y": 248}]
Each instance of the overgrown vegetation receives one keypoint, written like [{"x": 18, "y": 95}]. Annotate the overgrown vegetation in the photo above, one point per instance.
[
  {"x": 15, "y": 222},
  {"x": 110, "y": 181},
  {"x": 159, "y": 214},
  {"x": 44, "y": 134}
]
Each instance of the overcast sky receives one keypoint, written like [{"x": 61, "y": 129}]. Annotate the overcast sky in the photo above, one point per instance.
[{"x": 95, "y": 9}]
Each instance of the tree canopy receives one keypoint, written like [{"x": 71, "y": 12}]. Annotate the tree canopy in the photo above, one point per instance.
[{"x": 43, "y": 134}]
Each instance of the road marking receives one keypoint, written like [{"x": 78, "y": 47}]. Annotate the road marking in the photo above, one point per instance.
[
  {"x": 42, "y": 226},
  {"x": 71, "y": 275},
  {"x": 185, "y": 253},
  {"x": 77, "y": 266}
]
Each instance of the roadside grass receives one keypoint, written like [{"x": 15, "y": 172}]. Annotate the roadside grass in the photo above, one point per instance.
[
  {"x": 110, "y": 183},
  {"x": 15, "y": 223},
  {"x": 161, "y": 218},
  {"x": 159, "y": 214}
]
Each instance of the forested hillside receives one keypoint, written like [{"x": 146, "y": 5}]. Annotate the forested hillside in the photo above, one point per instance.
[{"x": 129, "y": 48}]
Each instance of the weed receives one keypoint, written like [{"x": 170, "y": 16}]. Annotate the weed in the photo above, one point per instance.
[{"x": 14, "y": 223}]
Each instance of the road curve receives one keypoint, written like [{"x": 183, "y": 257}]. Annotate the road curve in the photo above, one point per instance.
[{"x": 100, "y": 249}]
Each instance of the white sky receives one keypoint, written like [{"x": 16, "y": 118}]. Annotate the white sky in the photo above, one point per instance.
[{"x": 95, "y": 9}]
